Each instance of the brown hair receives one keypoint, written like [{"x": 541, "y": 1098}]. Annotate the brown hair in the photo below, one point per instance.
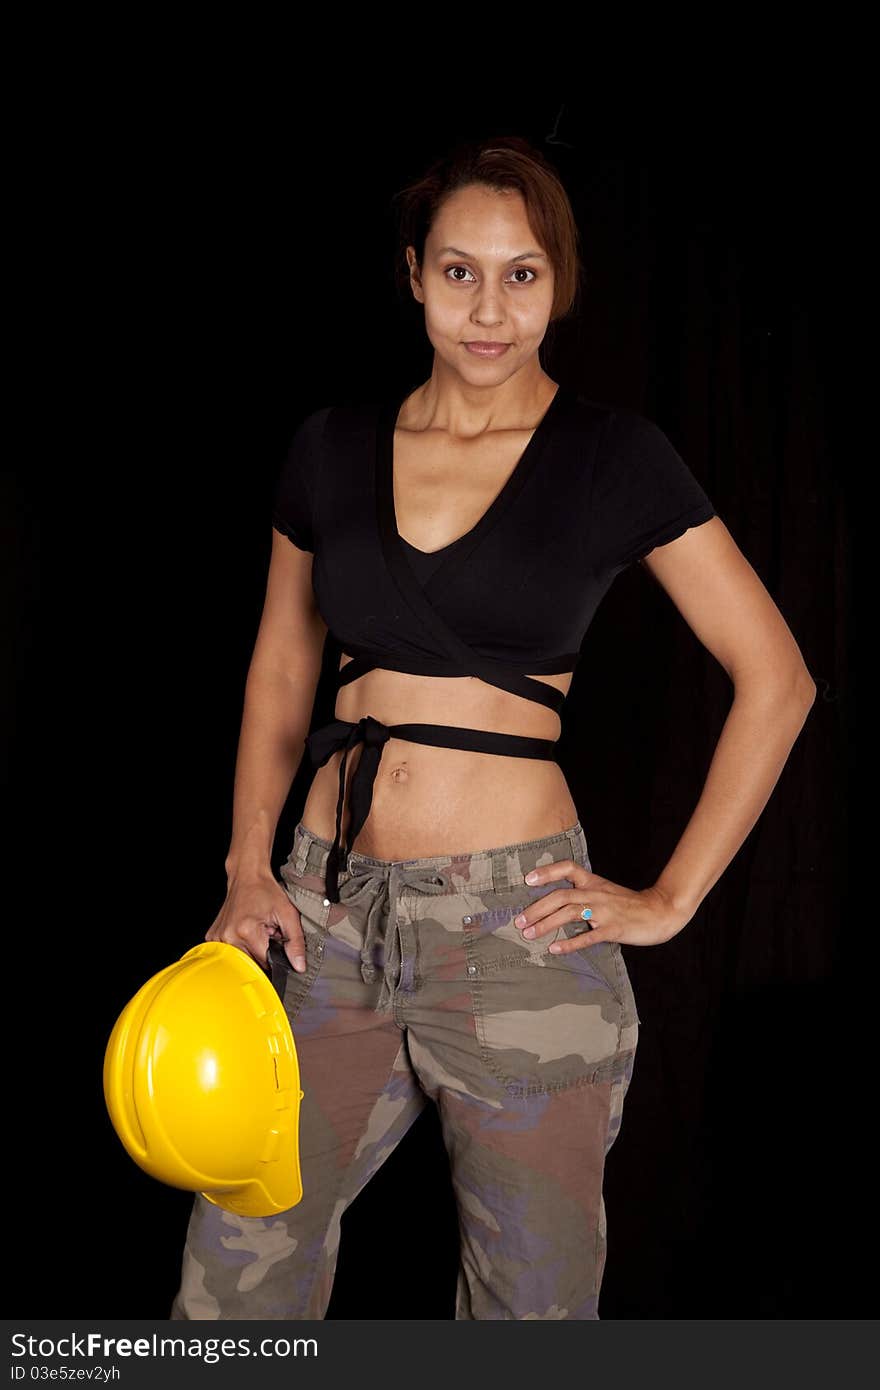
[{"x": 506, "y": 161}]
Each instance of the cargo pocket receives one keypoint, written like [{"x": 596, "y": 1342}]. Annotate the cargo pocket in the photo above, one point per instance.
[
  {"x": 603, "y": 960},
  {"x": 543, "y": 1023}
]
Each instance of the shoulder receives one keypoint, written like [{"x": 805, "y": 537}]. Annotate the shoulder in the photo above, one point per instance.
[
  {"x": 343, "y": 420},
  {"x": 325, "y": 433},
  {"x": 619, "y": 426},
  {"x": 308, "y": 432},
  {"x": 579, "y": 426},
  {"x": 613, "y": 426},
  {"x": 633, "y": 449},
  {"x": 615, "y": 442}
]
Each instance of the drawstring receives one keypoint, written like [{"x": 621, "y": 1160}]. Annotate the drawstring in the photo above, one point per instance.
[{"x": 380, "y": 883}]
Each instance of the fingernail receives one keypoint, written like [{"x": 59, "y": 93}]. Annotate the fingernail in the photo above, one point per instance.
[
  {"x": 529, "y": 932},
  {"x": 299, "y": 962},
  {"x": 531, "y": 878}
]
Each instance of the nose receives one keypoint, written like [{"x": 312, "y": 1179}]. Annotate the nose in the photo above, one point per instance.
[{"x": 488, "y": 311}]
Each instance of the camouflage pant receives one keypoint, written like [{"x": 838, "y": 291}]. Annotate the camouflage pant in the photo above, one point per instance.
[{"x": 420, "y": 985}]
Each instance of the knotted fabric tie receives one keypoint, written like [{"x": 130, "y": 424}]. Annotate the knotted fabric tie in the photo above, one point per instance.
[
  {"x": 380, "y": 885},
  {"x": 322, "y": 744},
  {"x": 342, "y": 733}
]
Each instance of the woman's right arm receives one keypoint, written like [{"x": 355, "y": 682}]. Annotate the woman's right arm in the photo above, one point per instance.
[{"x": 279, "y": 698}]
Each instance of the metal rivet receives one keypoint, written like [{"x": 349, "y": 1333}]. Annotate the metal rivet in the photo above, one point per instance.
[
  {"x": 467, "y": 920},
  {"x": 326, "y": 902},
  {"x": 511, "y": 1090},
  {"x": 472, "y": 970}
]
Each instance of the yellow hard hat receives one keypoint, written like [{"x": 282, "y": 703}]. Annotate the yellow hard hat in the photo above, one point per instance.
[{"x": 201, "y": 1081}]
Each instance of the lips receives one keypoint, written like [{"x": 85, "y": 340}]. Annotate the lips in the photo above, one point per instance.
[{"x": 481, "y": 349}]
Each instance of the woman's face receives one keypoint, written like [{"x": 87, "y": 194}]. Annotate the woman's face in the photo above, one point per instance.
[{"x": 485, "y": 279}]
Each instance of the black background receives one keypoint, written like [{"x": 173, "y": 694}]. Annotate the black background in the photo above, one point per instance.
[{"x": 221, "y": 279}]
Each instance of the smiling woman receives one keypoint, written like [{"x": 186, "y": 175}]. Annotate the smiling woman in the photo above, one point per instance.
[{"x": 455, "y": 540}]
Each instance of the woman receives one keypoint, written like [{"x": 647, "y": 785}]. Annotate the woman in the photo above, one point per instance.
[{"x": 441, "y": 933}]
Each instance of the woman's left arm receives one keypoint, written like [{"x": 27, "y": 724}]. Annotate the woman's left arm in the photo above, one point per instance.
[
  {"x": 718, "y": 593},
  {"x": 722, "y": 599}
]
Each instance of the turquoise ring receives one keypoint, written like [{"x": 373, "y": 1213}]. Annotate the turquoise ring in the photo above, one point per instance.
[{"x": 587, "y": 913}]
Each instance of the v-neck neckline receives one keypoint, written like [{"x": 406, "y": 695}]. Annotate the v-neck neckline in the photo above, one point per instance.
[{"x": 522, "y": 470}]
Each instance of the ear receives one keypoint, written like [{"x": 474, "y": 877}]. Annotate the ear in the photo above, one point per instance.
[{"x": 415, "y": 275}]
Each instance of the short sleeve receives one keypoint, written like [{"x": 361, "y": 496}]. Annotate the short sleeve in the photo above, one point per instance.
[
  {"x": 293, "y": 507},
  {"x": 644, "y": 494}
]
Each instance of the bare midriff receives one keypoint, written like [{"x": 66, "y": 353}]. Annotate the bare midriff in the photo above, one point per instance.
[{"x": 429, "y": 801}]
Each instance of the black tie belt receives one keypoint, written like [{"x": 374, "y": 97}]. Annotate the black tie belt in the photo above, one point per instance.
[{"x": 342, "y": 733}]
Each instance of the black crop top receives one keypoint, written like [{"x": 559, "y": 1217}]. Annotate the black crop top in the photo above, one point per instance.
[{"x": 596, "y": 488}]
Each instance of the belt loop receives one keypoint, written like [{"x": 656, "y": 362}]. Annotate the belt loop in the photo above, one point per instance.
[
  {"x": 302, "y": 852},
  {"x": 500, "y": 871},
  {"x": 576, "y": 847}
]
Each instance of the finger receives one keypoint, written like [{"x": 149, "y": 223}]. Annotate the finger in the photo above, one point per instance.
[
  {"x": 560, "y": 868},
  {"x": 294, "y": 953},
  {"x": 294, "y": 945},
  {"x": 541, "y": 915},
  {"x": 292, "y": 950},
  {"x": 541, "y": 918},
  {"x": 577, "y": 943}
]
